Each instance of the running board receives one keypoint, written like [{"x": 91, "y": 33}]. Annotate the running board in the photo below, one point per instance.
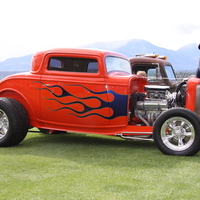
[{"x": 136, "y": 138}]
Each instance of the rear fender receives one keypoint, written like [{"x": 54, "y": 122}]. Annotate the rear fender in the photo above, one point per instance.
[{"x": 20, "y": 98}]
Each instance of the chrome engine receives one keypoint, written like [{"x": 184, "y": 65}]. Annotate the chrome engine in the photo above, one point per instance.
[
  {"x": 157, "y": 100},
  {"x": 148, "y": 110}
]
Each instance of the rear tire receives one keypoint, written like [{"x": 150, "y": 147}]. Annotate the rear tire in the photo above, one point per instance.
[
  {"x": 13, "y": 122},
  {"x": 177, "y": 132}
]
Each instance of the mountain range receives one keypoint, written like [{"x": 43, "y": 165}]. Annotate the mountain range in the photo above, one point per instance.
[{"x": 184, "y": 59}]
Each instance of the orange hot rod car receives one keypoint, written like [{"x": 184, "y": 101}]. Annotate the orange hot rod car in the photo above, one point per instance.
[{"x": 94, "y": 91}]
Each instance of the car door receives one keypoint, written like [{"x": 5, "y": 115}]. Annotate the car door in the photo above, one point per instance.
[{"x": 73, "y": 91}]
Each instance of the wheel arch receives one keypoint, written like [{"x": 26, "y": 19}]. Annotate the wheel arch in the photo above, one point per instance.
[{"x": 23, "y": 100}]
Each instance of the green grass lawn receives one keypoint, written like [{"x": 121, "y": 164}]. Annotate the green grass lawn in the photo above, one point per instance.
[{"x": 79, "y": 166}]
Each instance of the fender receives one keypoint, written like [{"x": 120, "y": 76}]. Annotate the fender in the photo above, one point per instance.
[{"x": 15, "y": 94}]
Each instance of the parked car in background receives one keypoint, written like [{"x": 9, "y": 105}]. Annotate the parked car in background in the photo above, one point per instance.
[{"x": 159, "y": 71}]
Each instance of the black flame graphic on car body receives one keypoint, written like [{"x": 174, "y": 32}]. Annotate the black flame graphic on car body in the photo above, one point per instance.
[{"x": 118, "y": 105}]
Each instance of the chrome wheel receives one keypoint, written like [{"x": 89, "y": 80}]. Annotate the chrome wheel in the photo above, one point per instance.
[
  {"x": 177, "y": 133},
  {"x": 4, "y": 124}
]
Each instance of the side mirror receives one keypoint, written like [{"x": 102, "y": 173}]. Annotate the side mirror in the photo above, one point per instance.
[{"x": 199, "y": 47}]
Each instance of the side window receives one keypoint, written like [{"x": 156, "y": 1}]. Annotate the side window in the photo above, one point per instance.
[
  {"x": 56, "y": 64},
  {"x": 170, "y": 73},
  {"x": 72, "y": 64},
  {"x": 92, "y": 67}
]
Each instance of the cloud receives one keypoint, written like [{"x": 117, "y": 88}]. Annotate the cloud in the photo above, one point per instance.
[
  {"x": 39, "y": 25},
  {"x": 187, "y": 28}
]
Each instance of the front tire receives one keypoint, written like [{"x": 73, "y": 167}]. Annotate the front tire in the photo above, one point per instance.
[
  {"x": 13, "y": 122},
  {"x": 177, "y": 132}
]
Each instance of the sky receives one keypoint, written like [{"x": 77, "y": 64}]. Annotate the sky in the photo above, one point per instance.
[{"x": 28, "y": 26}]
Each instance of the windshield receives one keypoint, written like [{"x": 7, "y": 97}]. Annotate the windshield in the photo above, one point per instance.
[
  {"x": 117, "y": 64},
  {"x": 170, "y": 73}
]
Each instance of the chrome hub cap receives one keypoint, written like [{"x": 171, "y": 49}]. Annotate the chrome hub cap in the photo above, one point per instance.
[
  {"x": 4, "y": 124},
  {"x": 177, "y": 133}
]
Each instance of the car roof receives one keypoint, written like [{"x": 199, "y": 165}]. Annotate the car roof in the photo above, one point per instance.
[{"x": 148, "y": 60}]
